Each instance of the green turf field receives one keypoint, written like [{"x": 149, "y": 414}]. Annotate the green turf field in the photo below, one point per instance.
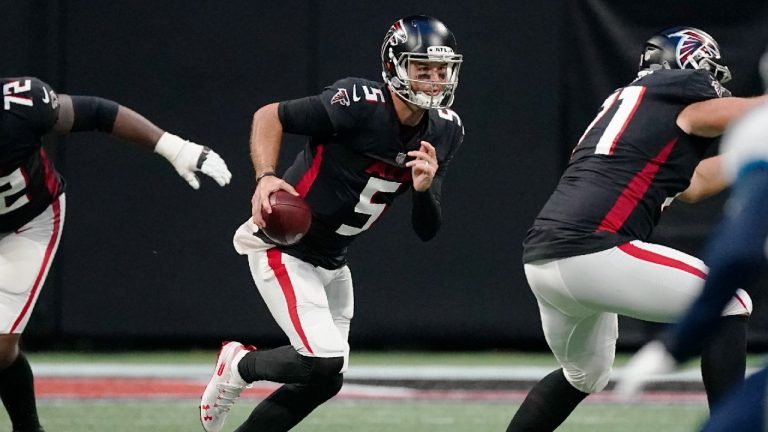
[
  {"x": 485, "y": 358},
  {"x": 364, "y": 417},
  {"x": 354, "y": 415}
]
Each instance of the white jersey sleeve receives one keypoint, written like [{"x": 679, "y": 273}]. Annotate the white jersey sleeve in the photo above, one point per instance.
[{"x": 745, "y": 142}]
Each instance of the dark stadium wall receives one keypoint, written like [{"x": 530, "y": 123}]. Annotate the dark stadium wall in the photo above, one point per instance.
[{"x": 146, "y": 260}]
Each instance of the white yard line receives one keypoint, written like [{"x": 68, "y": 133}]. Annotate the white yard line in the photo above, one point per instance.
[{"x": 384, "y": 373}]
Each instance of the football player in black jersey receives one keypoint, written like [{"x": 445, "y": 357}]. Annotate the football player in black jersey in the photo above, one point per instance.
[
  {"x": 737, "y": 254},
  {"x": 32, "y": 206},
  {"x": 369, "y": 142},
  {"x": 587, "y": 258}
]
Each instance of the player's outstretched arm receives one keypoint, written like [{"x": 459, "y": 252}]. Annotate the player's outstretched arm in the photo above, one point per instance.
[
  {"x": 711, "y": 117},
  {"x": 88, "y": 113}
]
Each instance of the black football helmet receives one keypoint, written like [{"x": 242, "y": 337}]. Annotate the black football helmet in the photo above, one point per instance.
[
  {"x": 684, "y": 48},
  {"x": 420, "y": 38}
]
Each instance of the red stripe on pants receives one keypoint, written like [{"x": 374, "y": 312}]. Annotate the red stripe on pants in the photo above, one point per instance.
[
  {"x": 275, "y": 259},
  {"x": 657, "y": 258},
  {"x": 46, "y": 259}
]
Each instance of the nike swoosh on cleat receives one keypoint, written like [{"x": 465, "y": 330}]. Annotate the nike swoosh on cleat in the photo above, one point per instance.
[{"x": 221, "y": 369}]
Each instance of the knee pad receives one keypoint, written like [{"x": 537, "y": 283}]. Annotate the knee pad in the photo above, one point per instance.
[
  {"x": 740, "y": 304},
  {"x": 588, "y": 381}
]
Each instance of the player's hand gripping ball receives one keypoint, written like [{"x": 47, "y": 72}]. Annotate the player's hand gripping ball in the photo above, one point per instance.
[{"x": 290, "y": 218}]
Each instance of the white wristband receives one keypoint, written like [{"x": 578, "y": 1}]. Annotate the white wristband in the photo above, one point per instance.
[{"x": 169, "y": 146}]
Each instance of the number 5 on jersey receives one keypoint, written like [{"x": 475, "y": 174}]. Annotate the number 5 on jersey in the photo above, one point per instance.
[{"x": 367, "y": 207}]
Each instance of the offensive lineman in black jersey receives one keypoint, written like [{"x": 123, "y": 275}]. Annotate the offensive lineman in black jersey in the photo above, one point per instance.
[
  {"x": 737, "y": 254},
  {"x": 586, "y": 256},
  {"x": 32, "y": 206},
  {"x": 370, "y": 142}
]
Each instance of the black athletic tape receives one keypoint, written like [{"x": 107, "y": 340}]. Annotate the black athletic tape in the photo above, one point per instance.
[{"x": 203, "y": 157}]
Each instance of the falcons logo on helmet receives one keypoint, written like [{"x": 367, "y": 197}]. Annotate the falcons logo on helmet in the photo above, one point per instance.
[
  {"x": 397, "y": 34},
  {"x": 692, "y": 42}
]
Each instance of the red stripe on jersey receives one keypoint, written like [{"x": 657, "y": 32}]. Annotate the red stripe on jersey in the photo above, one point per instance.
[
  {"x": 389, "y": 172},
  {"x": 26, "y": 182},
  {"x": 51, "y": 182},
  {"x": 626, "y": 122},
  {"x": 275, "y": 259},
  {"x": 632, "y": 194},
  {"x": 657, "y": 258},
  {"x": 302, "y": 187},
  {"x": 49, "y": 251}
]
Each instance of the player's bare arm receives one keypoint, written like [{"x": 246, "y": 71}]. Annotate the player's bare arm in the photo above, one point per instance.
[
  {"x": 266, "y": 137},
  {"x": 707, "y": 180},
  {"x": 710, "y": 118},
  {"x": 83, "y": 113},
  {"x": 423, "y": 166}
]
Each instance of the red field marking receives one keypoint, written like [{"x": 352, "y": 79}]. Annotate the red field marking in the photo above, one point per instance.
[
  {"x": 108, "y": 388},
  {"x": 137, "y": 388}
]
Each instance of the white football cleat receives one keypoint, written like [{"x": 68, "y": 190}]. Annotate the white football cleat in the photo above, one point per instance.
[{"x": 224, "y": 387}]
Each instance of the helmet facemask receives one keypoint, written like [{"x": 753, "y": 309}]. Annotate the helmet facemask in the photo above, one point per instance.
[
  {"x": 421, "y": 89},
  {"x": 420, "y": 63},
  {"x": 702, "y": 60}
]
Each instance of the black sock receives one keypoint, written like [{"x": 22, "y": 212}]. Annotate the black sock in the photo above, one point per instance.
[
  {"x": 724, "y": 358},
  {"x": 547, "y": 405},
  {"x": 17, "y": 391},
  {"x": 283, "y": 365},
  {"x": 289, "y": 404}
]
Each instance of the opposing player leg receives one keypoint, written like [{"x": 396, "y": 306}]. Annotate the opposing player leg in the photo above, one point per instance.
[
  {"x": 724, "y": 358},
  {"x": 743, "y": 409},
  {"x": 25, "y": 258}
]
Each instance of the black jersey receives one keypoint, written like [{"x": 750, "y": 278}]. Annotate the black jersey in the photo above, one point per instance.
[
  {"x": 28, "y": 180},
  {"x": 630, "y": 163},
  {"x": 350, "y": 175}
]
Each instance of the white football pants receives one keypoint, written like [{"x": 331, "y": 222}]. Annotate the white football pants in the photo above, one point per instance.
[
  {"x": 25, "y": 258},
  {"x": 312, "y": 305},
  {"x": 580, "y": 297}
]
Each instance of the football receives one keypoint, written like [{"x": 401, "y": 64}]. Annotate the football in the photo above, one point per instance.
[{"x": 290, "y": 218}]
